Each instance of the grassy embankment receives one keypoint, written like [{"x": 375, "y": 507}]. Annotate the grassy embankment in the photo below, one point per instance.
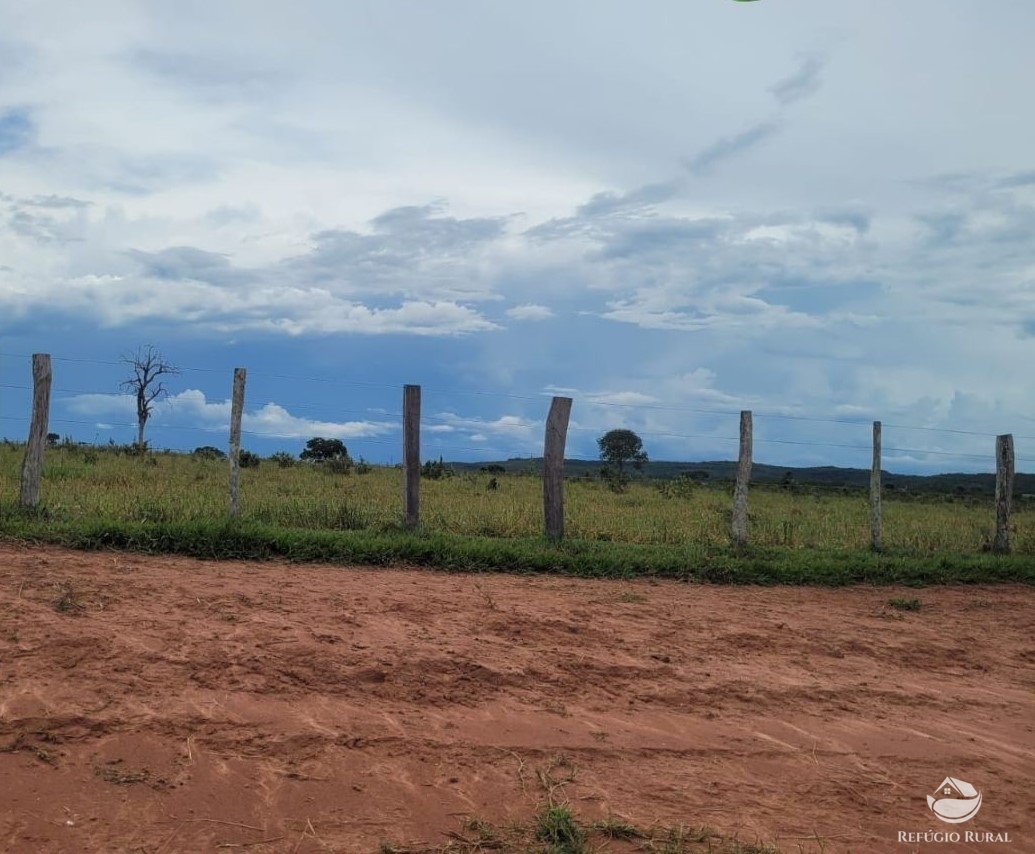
[{"x": 95, "y": 498}]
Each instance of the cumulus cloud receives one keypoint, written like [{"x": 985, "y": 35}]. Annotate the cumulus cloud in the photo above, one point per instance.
[
  {"x": 191, "y": 409},
  {"x": 183, "y": 173},
  {"x": 530, "y": 312}
]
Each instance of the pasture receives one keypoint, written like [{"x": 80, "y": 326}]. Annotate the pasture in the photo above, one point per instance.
[{"x": 84, "y": 485}]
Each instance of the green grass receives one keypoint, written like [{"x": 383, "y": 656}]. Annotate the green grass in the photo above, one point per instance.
[
  {"x": 558, "y": 830},
  {"x": 95, "y": 499}
]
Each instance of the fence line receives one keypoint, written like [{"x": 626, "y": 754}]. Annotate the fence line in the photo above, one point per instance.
[
  {"x": 538, "y": 396},
  {"x": 523, "y": 452},
  {"x": 557, "y": 426}
]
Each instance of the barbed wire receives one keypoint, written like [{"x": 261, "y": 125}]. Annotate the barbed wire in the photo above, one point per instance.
[
  {"x": 521, "y": 453},
  {"x": 587, "y": 399}
]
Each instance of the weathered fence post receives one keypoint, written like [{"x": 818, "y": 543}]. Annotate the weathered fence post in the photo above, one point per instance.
[
  {"x": 236, "y": 411},
  {"x": 875, "y": 487},
  {"x": 411, "y": 455},
  {"x": 553, "y": 467},
  {"x": 740, "y": 490},
  {"x": 1003, "y": 492},
  {"x": 32, "y": 465}
]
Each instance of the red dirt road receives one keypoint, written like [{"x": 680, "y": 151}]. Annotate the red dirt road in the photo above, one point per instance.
[{"x": 170, "y": 705}]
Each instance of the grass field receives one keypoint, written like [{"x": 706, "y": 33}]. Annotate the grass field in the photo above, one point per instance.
[{"x": 144, "y": 501}]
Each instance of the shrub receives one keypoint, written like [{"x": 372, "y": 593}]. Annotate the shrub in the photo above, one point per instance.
[
  {"x": 343, "y": 466},
  {"x": 436, "y": 470},
  {"x": 248, "y": 460},
  {"x": 283, "y": 459}
]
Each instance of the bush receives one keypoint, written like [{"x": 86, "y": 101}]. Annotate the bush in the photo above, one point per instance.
[
  {"x": 208, "y": 452},
  {"x": 283, "y": 459},
  {"x": 336, "y": 466},
  {"x": 363, "y": 467},
  {"x": 248, "y": 460},
  {"x": 436, "y": 470},
  {"x": 616, "y": 481}
]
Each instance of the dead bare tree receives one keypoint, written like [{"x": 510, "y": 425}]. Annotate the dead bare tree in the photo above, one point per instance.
[{"x": 146, "y": 384}]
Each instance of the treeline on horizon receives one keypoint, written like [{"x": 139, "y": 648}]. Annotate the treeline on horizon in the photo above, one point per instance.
[
  {"x": 721, "y": 471},
  {"x": 714, "y": 472}
]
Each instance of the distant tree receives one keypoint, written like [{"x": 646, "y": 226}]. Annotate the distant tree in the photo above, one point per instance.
[
  {"x": 52, "y": 440},
  {"x": 146, "y": 384},
  {"x": 618, "y": 447},
  {"x": 320, "y": 450},
  {"x": 208, "y": 452},
  {"x": 248, "y": 459}
]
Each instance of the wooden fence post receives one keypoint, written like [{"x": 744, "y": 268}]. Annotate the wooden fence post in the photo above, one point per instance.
[
  {"x": 1004, "y": 461},
  {"x": 553, "y": 467},
  {"x": 411, "y": 455},
  {"x": 32, "y": 465},
  {"x": 236, "y": 411},
  {"x": 875, "y": 487},
  {"x": 740, "y": 490}
]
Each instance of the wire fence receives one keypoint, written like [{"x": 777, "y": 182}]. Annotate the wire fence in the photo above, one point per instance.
[
  {"x": 516, "y": 436},
  {"x": 370, "y": 428}
]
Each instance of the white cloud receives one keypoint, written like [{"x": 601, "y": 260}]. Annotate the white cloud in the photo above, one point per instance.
[
  {"x": 529, "y": 312},
  {"x": 183, "y": 172},
  {"x": 191, "y": 409}
]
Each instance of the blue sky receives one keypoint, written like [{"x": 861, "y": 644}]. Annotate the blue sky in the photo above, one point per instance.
[{"x": 822, "y": 212}]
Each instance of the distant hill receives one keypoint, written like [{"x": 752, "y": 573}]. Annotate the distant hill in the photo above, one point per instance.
[{"x": 718, "y": 471}]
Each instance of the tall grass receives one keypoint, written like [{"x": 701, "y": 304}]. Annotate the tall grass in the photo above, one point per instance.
[{"x": 102, "y": 486}]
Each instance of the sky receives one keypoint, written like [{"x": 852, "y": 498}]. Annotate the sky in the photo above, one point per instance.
[{"x": 670, "y": 212}]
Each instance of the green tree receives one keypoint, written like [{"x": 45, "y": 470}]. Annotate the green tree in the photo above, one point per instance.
[
  {"x": 618, "y": 447},
  {"x": 320, "y": 450}
]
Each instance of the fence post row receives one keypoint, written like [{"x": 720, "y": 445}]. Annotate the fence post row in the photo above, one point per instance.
[
  {"x": 32, "y": 465},
  {"x": 411, "y": 455},
  {"x": 876, "y": 526},
  {"x": 740, "y": 490},
  {"x": 236, "y": 411},
  {"x": 553, "y": 467},
  {"x": 553, "y": 462},
  {"x": 1004, "y": 470}
]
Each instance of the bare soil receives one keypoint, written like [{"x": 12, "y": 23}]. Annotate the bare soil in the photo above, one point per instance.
[{"x": 169, "y": 705}]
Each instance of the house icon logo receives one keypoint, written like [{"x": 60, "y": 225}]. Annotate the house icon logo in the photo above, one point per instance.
[{"x": 955, "y": 801}]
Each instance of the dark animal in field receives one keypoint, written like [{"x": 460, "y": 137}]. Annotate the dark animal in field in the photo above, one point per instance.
[{"x": 492, "y": 485}]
